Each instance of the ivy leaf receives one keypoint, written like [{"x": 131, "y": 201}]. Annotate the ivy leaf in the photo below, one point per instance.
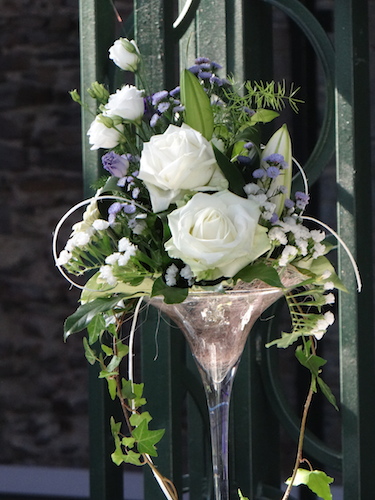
[
  {"x": 261, "y": 272},
  {"x": 89, "y": 353},
  {"x": 230, "y": 172},
  {"x": 285, "y": 341},
  {"x": 327, "y": 392},
  {"x": 107, "y": 350},
  {"x": 316, "y": 480},
  {"x": 146, "y": 439},
  {"x": 137, "y": 418},
  {"x": 81, "y": 318},
  {"x": 312, "y": 362},
  {"x": 132, "y": 457},
  {"x": 95, "y": 328},
  {"x": 171, "y": 294},
  {"x": 198, "y": 111}
]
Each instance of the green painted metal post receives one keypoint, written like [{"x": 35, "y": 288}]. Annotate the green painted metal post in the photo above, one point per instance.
[
  {"x": 354, "y": 223},
  {"x": 105, "y": 477}
]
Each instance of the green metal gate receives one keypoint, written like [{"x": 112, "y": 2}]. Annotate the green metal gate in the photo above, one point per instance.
[{"x": 239, "y": 34}]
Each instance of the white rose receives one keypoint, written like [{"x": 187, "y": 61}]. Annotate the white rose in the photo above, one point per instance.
[
  {"x": 125, "y": 54},
  {"x": 177, "y": 161},
  {"x": 101, "y": 136},
  {"x": 127, "y": 102},
  {"x": 217, "y": 235}
]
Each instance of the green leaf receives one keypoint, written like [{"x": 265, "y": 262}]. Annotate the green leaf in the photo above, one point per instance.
[
  {"x": 285, "y": 341},
  {"x": 112, "y": 388},
  {"x": 128, "y": 442},
  {"x": 261, "y": 272},
  {"x": 132, "y": 457},
  {"x": 89, "y": 353},
  {"x": 316, "y": 480},
  {"x": 310, "y": 361},
  {"x": 85, "y": 313},
  {"x": 241, "y": 495},
  {"x": 198, "y": 112},
  {"x": 171, "y": 294},
  {"x": 327, "y": 392},
  {"x": 147, "y": 439},
  {"x": 263, "y": 116},
  {"x": 137, "y": 418},
  {"x": 114, "y": 363},
  {"x": 107, "y": 350},
  {"x": 95, "y": 328},
  {"x": 230, "y": 172}
]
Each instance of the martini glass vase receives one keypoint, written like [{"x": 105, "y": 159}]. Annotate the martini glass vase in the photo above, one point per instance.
[{"x": 216, "y": 326}]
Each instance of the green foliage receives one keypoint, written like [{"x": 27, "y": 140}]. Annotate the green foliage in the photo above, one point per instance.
[
  {"x": 317, "y": 481},
  {"x": 240, "y": 495},
  {"x": 147, "y": 439},
  {"x": 172, "y": 295},
  {"x": 85, "y": 313},
  {"x": 260, "y": 271},
  {"x": 231, "y": 173},
  {"x": 198, "y": 111}
]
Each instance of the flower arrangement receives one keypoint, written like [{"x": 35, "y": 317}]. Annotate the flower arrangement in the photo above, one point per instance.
[{"x": 191, "y": 198}]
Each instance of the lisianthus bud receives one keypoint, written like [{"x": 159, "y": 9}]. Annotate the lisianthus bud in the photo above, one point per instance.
[
  {"x": 125, "y": 54},
  {"x": 99, "y": 92},
  {"x": 75, "y": 96}
]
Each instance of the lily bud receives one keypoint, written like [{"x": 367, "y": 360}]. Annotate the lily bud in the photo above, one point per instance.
[{"x": 280, "y": 147}]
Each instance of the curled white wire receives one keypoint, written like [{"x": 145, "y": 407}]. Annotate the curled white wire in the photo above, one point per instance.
[{"x": 345, "y": 247}]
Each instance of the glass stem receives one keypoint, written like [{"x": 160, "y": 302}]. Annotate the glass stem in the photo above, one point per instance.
[{"x": 218, "y": 399}]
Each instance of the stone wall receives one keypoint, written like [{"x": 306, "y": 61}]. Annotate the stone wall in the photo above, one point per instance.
[{"x": 43, "y": 382}]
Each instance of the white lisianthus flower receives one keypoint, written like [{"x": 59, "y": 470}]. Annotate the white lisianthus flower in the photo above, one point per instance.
[
  {"x": 178, "y": 161},
  {"x": 125, "y": 54},
  {"x": 127, "y": 103},
  {"x": 216, "y": 235},
  {"x": 102, "y": 136}
]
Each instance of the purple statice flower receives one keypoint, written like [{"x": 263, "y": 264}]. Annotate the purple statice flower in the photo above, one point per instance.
[
  {"x": 215, "y": 65},
  {"x": 115, "y": 164},
  {"x": 274, "y": 219},
  {"x": 175, "y": 92},
  {"x": 302, "y": 199},
  {"x": 248, "y": 145},
  {"x": 128, "y": 208},
  {"x": 158, "y": 97},
  {"x": 205, "y": 66},
  {"x": 273, "y": 172},
  {"x": 276, "y": 159},
  {"x": 163, "y": 106},
  {"x": 201, "y": 60},
  {"x": 259, "y": 173},
  {"x": 179, "y": 108},
  {"x": 215, "y": 80},
  {"x": 113, "y": 210},
  {"x": 154, "y": 119},
  {"x": 135, "y": 193},
  {"x": 194, "y": 69},
  {"x": 288, "y": 203},
  {"x": 248, "y": 111},
  {"x": 205, "y": 75},
  {"x": 244, "y": 160}
]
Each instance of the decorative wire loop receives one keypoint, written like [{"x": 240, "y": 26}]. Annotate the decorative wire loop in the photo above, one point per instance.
[{"x": 61, "y": 222}]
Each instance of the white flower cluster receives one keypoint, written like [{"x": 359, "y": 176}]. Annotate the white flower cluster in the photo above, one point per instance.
[
  {"x": 321, "y": 325},
  {"x": 172, "y": 272},
  {"x": 297, "y": 238},
  {"x": 126, "y": 250}
]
